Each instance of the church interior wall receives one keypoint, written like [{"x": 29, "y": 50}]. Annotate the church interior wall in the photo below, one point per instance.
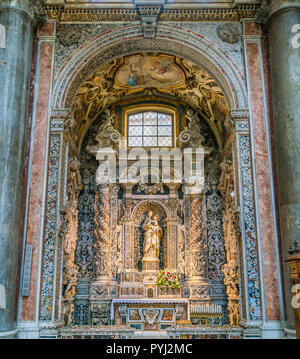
[{"x": 242, "y": 48}]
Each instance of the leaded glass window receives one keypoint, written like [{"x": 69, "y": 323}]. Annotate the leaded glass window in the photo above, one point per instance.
[{"x": 150, "y": 129}]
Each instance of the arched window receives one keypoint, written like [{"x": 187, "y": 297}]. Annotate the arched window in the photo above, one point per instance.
[{"x": 150, "y": 129}]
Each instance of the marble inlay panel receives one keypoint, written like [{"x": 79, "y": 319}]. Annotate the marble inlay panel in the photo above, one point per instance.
[
  {"x": 37, "y": 173},
  {"x": 263, "y": 182},
  {"x": 48, "y": 274}
]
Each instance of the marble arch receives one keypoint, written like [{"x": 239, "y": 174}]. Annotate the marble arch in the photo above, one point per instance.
[
  {"x": 171, "y": 40},
  {"x": 58, "y": 46},
  {"x": 128, "y": 40}
]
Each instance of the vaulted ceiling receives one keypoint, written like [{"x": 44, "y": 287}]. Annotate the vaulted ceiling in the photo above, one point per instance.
[{"x": 158, "y": 75}]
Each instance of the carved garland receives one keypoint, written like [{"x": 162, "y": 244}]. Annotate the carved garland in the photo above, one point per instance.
[{"x": 64, "y": 14}]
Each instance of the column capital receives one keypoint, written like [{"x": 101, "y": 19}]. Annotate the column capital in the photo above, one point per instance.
[
  {"x": 240, "y": 118},
  {"x": 269, "y": 8},
  {"x": 32, "y": 8},
  {"x": 59, "y": 118}
]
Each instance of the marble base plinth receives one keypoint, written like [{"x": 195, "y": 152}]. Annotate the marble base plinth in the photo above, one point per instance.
[{"x": 149, "y": 264}]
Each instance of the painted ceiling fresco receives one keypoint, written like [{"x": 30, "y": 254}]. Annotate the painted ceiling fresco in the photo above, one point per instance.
[{"x": 146, "y": 75}]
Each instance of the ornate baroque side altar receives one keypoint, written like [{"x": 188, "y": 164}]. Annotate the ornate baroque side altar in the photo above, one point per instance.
[{"x": 142, "y": 228}]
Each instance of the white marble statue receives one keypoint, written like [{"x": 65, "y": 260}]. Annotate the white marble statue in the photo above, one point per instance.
[{"x": 152, "y": 237}]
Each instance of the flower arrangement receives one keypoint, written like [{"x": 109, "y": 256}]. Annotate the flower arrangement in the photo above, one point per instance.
[{"x": 167, "y": 279}]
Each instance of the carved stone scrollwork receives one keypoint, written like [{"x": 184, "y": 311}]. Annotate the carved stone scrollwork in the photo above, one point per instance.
[
  {"x": 181, "y": 249},
  {"x": 198, "y": 246},
  {"x": 102, "y": 232},
  {"x": 69, "y": 126},
  {"x": 151, "y": 315},
  {"x": 100, "y": 314},
  {"x": 150, "y": 188},
  {"x": 107, "y": 135},
  {"x": 191, "y": 136},
  {"x": 228, "y": 33},
  {"x": 39, "y": 9},
  {"x": 69, "y": 36},
  {"x": 294, "y": 248},
  {"x": 231, "y": 237},
  {"x": 117, "y": 251},
  {"x": 179, "y": 310},
  {"x": 123, "y": 310},
  {"x": 68, "y": 231},
  {"x": 229, "y": 125},
  {"x": 149, "y": 17}
]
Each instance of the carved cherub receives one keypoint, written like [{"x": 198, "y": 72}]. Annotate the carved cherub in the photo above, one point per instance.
[
  {"x": 151, "y": 315},
  {"x": 107, "y": 135},
  {"x": 193, "y": 120}
]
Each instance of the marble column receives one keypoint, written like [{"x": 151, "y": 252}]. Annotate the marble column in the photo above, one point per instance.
[
  {"x": 285, "y": 81},
  {"x": 15, "y": 67}
]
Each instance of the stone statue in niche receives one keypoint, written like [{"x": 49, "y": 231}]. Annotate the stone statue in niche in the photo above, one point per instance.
[
  {"x": 107, "y": 135},
  {"x": 191, "y": 136},
  {"x": 152, "y": 236}
]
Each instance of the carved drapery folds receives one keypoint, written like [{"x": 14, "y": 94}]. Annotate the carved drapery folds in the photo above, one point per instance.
[
  {"x": 68, "y": 232},
  {"x": 231, "y": 237},
  {"x": 102, "y": 232}
]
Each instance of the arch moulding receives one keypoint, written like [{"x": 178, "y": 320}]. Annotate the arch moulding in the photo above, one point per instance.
[{"x": 127, "y": 40}]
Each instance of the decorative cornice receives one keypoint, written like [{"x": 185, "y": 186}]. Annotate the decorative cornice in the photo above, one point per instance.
[
  {"x": 240, "y": 118},
  {"x": 239, "y": 114},
  {"x": 63, "y": 113},
  {"x": 66, "y": 14}
]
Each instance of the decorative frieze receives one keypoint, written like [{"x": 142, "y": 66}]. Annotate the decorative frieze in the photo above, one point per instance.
[
  {"x": 57, "y": 125},
  {"x": 63, "y": 13}
]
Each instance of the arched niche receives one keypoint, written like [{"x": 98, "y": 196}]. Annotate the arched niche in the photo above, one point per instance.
[
  {"x": 139, "y": 213},
  {"x": 87, "y": 59}
]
